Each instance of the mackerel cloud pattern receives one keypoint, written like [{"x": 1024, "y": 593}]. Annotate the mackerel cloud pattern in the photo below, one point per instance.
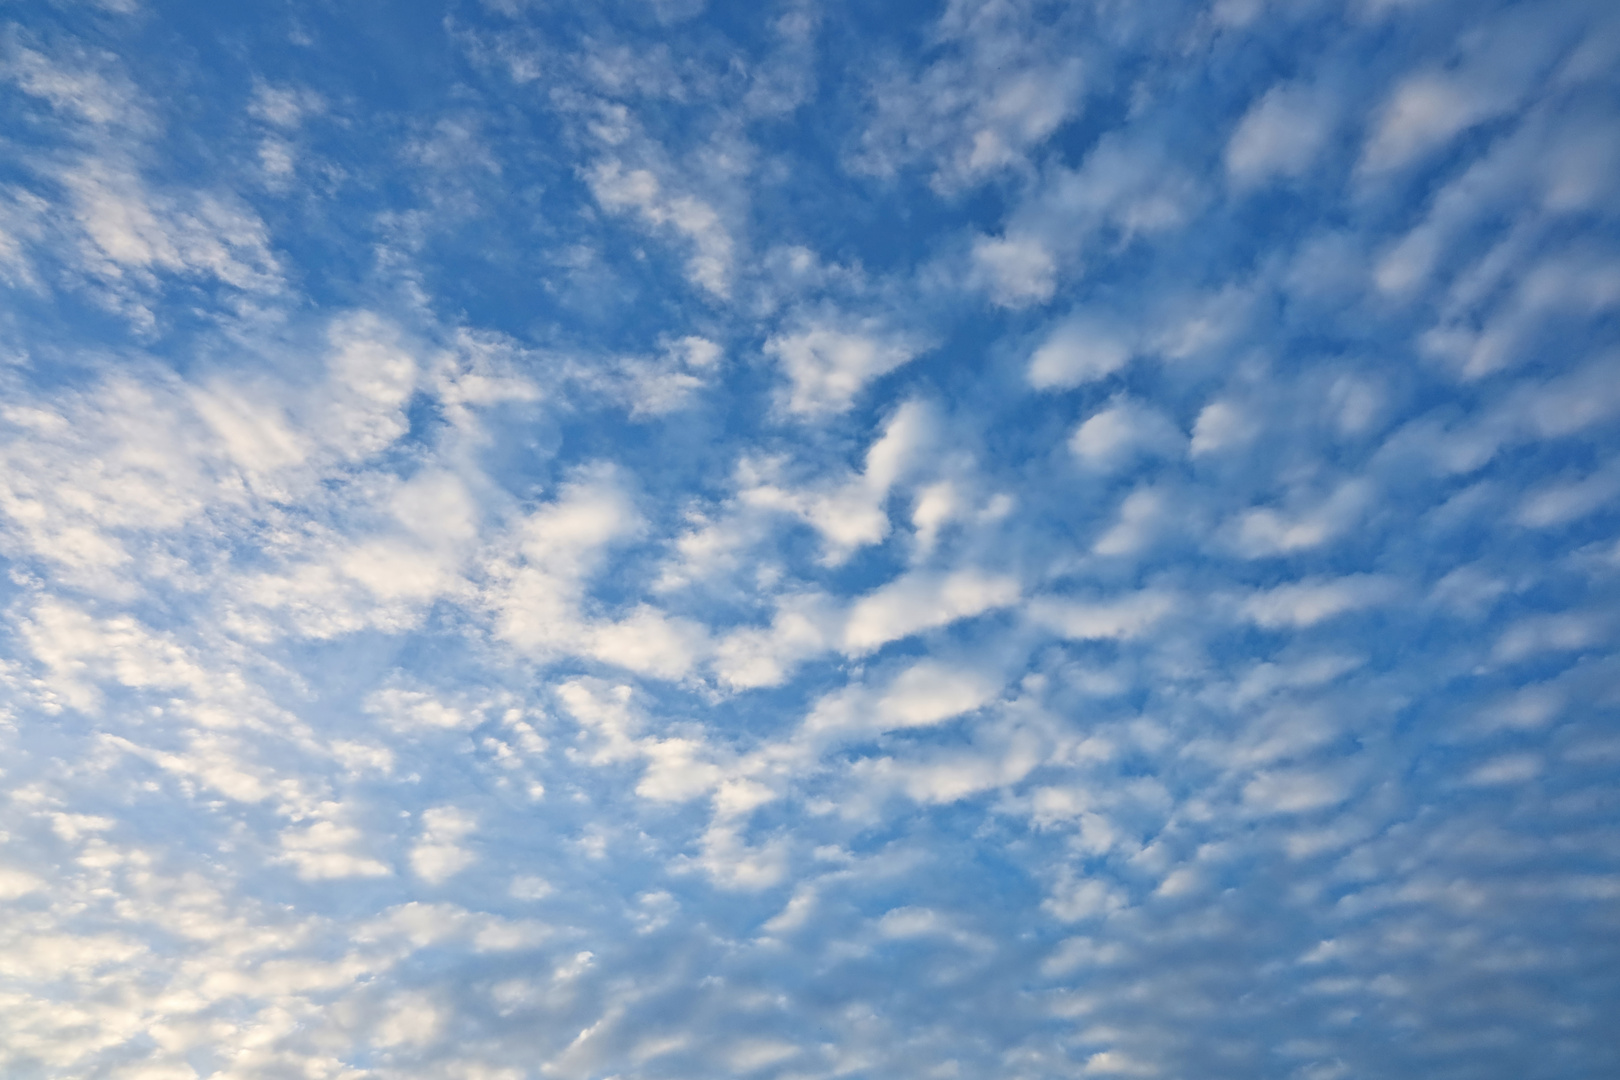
[{"x": 645, "y": 540}]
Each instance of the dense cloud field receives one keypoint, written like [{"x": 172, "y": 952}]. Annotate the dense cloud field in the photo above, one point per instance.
[{"x": 649, "y": 541}]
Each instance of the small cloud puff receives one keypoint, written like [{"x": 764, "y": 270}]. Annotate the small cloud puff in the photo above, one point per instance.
[
  {"x": 828, "y": 361},
  {"x": 1112, "y": 437},
  {"x": 1078, "y": 351}
]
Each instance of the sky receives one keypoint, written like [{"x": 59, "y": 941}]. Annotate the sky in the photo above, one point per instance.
[{"x": 664, "y": 540}]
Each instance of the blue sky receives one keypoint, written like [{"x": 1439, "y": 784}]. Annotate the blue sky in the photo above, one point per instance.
[{"x": 661, "y": 539}]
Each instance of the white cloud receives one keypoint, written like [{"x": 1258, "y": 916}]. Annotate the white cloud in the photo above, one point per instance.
[
  {"x": 254, "y": 433},
  {"x": 921, "y": 695},
  {"x": 15, "y": 883},
  {"x": 531, "y": 887},
  {"x": 1123, "y": 618},
  {"x": 922, "y": 601},
  {"x": 1142, "y": 515},
  {"x": 732, "y": 863},
  {"x": 1077, "y": 898},
  {"x": 540, "y": 602},
  {"x": 1203, "y": 325},
  {"x": 323, "y": 592},
  {"x": 1307, "y": 603},
  {"x": 668, "y": 382},
  {"x": 1295, "y": 792},
  {"x": 1566, "y": 286},
  {"x": 1425, "y": 111},
  {"x": 828, "y": 362},
  {"x": 752, "y": 1055},
  {"x": 648, "y": 641},
  {"x": 1570, "y": 403},
  {"x": 1018, "y": 270},
  {"x": 1003, "y": 754},
  {"x": 927, "y": 693},
  {"x": 1080, "y": 952},
  {"x": 1561, "y": 504},
  {"x": 329, "y": 849},
  {"x": 372, "y": 376},
  {"x": 850, "y": 512},
  {"x": 605, "y": 712},
  {"x": 676, "y": 771},
  {"x": 409, "y": 1019},
  {"x": 85, "y": 653},
  {"x": 1264, "y": 531},
  {"x": 709, "y": 266},
  {"x": 438, "y": 855},
  {"x": 22, "y": 225},
  {"x": 132, "y": 230},
  {"x": 1126, "y": 186},
  {"x": 1493, "y": 68},
  {"x": 1526, "y": 709},
  {"x": 1540, "y": 634},
  {"x": 803, "y": 626},
  {"x": 285, "y": 106},
  {"x": 98, "y": 97},
  {"x": 1220, "y": 425},
  {"x": 407, "y": 710},
  {"x": 1281, "y": 135},
  {"x": 1507, "y": 769},
  {"x": 1118, "y": 1063},
  {"x": 1077, "y": 352},
  {"x": 937, "y": 505},
  {"x": 997, "y": 93},
  {"x": 1111, "y": 437}
]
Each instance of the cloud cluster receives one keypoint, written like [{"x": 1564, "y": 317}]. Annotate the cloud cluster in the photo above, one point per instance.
[{"x": 657, "y": 541}]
